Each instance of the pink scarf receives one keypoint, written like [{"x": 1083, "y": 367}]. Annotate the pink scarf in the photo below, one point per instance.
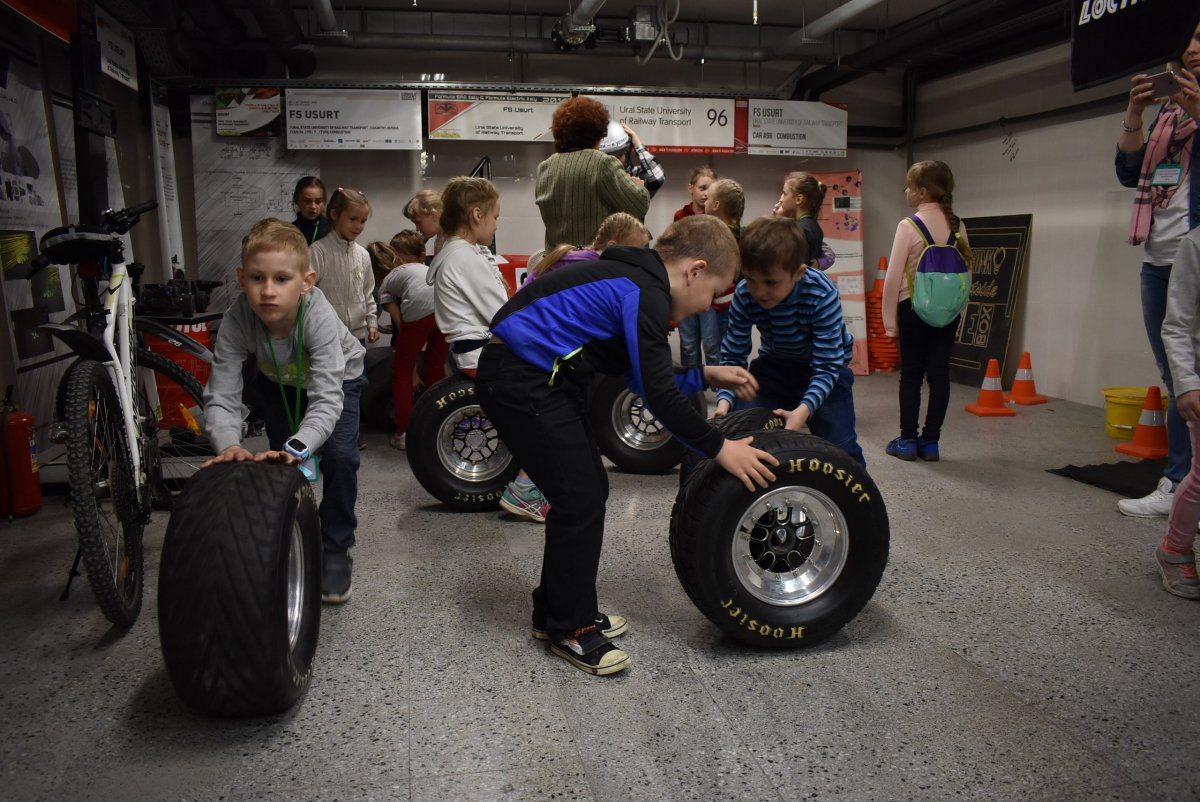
[{"x": 1151, "y": 199}]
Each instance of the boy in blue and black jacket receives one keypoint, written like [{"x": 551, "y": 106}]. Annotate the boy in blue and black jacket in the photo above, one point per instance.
[
  {"x": 608, "y": 316},
  {"x": 802, "y": 367}
]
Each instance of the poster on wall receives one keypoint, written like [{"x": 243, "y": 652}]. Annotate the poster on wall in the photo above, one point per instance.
[
  {"x": 353, "y": 119},
  {"x": 170, "y": 229},
  {"x": 494, "y": 116},
  {"x": 249, "y": 112},
  {"x": 841, "y": 224},
  {"x": 29, "y": 207},
  {"x": 237, "y": 183},
  {"x": 796, "y": 128},
  {"x": 1000, "y": 249},
  {"x": 65, "y": 140}
]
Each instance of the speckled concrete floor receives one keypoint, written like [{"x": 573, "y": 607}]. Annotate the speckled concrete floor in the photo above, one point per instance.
[{"x": 1020, "y": 646}]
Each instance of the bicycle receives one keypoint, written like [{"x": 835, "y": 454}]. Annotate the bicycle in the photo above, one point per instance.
[{"x": 119, "y": 459}]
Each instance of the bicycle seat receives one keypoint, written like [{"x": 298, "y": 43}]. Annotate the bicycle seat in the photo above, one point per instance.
[{"x": 70, "y": 245}]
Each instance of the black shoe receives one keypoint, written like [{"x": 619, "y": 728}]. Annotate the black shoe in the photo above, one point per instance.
[
  {"x": 609, "y": 626},
  {"x": 588, "y": 650},
  {"x": 335, "y": 578}
]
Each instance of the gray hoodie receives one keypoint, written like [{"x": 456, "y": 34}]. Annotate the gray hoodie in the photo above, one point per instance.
[
  {"x": 1181, "y": 326},
  {"x": 331, "y": 356},
  {"x": 467, "y": 290}
]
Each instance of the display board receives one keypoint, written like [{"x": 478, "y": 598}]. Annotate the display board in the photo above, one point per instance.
[
  {"x": 237, "y": 182},
  {"x": 796, "y": 128},
  {"x": 170, "y": 229},
  {"x": 353, "y": 119},
  {"x": 249, "y": 112},
  {"x": 1000, "y": 249},
  {"x": 492, "y": 116},
  {"x": 841, "y": 224},
  {"x": 676, "y": 124},
  {"x": 1113, "y": 39}
]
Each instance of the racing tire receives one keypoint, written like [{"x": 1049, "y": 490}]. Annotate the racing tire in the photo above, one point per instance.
[
  {"x": 454, "y": 451},
  {"x": 239, "y": 589},
  {"x": 377, "y": 408},
  {"x": 628, "y": 434},
  {"x": 734, "y": 426},
  {"x": 787, "y": 566}
]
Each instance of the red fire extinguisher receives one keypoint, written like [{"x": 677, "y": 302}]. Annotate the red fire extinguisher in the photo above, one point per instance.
[{"x": 20, "y": 482}]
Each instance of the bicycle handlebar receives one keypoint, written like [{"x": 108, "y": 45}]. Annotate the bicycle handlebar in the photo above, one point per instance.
[{"x": 119, "y": 222}]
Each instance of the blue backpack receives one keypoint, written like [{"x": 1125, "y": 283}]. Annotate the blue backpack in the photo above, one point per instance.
[{"x": 940, "y": 285}]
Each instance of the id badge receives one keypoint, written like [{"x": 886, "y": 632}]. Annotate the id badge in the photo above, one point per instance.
[
  {"x": 1167, "y": 175},
  {"x": 311, "y": 468}
]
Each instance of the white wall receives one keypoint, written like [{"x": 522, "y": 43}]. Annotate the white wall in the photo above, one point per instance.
[
  {"x": 1081, "y": 318},
  {"x": 390, "y": 178}
]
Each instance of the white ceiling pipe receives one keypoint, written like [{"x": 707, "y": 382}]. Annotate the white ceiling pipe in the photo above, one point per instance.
[{"x": 824, "y": 25}]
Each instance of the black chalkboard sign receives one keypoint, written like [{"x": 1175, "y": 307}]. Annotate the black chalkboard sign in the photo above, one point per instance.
[{"x": 999, "y": 249}]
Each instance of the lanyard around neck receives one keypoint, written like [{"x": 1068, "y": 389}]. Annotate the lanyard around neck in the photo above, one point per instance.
[{"x": 293, "y": 419}]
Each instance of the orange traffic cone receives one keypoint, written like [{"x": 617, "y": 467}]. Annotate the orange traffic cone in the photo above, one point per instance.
[
  {"x": 1024, "y": 391},
  {"x": 1150, "y": 437},
  {"x": 991, "y": 398}
]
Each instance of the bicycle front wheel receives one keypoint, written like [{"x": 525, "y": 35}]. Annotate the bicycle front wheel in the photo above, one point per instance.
[{"x": 104, "y": 495}]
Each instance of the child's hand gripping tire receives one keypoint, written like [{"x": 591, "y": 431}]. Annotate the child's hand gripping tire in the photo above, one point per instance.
[
  {"x": 454, "y": 451},
  {"x": 628, "y": 434},
  {"x": 239, "y": 589},
  {"x": 788, "y": 566},
  {"x": 734, "y": 426}
]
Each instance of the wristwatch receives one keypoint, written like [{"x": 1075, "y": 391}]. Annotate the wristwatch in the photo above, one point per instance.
[{"x": 296, "y": 447}]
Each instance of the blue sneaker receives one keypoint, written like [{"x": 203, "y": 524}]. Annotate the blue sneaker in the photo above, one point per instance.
[
  {"x": 526, "y": 502},
  {"x": 903, "y": 448},
  {"x": 928, "y": 450}
]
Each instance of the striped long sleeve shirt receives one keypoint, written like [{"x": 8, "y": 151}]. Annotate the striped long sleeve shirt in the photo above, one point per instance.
[{"x": 806, "y": 327}]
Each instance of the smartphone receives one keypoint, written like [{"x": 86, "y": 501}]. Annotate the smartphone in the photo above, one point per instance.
[{"x": 1163, "y": 83}]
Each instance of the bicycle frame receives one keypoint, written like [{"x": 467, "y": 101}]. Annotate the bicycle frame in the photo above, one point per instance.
[{"x": 118, "y": 342}]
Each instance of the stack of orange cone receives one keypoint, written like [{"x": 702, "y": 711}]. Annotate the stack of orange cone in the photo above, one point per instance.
[
  {"x": 881, "y": 349},
  {"x": 1150, "y": 437},
  {"x": 991, "y": 398},
  {"x": 1024, "y": 390}
]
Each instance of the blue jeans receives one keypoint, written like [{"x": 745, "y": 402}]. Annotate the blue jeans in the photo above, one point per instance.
[
  {"x": 707, "y": 329},
  {"x": 781, "y": 385},
  {"x": 339, "y": 457},
  {"x": 1154, "y": 309}
]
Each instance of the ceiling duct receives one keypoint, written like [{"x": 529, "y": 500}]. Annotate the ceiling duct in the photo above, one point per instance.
[
  {"x": 937, "y": 29},
  {"x": 574, "y": 29}
]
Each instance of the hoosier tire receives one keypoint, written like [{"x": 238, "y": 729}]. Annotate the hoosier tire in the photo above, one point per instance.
[
  {"x": 788, "y": 566},
  {"x": 628, "y": 434},
  {"x": 108, "y": 517},
  {"x": 239, "y": 593},
  {"x": 735, "y": 426},
  {"x": 454, "y": 451}
]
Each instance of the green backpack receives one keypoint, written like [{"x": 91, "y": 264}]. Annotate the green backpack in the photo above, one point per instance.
[{"x": 940, "y": 285}]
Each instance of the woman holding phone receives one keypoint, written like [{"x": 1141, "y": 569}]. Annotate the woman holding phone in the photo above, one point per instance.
[{"x": 1165, "y": 169}]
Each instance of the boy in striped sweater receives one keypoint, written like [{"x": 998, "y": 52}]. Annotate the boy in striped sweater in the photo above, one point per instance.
[{"x": 802, "y": 363}]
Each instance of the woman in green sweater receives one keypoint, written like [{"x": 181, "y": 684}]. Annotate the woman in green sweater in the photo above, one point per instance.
[{"x": 579, "y": 186}]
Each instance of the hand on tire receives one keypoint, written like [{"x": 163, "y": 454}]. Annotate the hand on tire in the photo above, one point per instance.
[
  {"x": 794, "y": 419},
  {"x": 239, "y": 454},
  {"x": 747, "y": 463}
]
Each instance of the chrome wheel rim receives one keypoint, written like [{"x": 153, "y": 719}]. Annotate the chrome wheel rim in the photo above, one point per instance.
[
  {"x": 634, "y": 424},
  {"x": 295, "y": 585},
  {"x": 790, "y": 546},
  {"x": 469, "y": 447}
]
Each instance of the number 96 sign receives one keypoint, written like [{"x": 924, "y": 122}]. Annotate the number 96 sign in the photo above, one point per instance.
[{"x": 676, "y": 124}]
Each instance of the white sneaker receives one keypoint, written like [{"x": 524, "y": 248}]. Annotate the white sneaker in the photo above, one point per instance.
[{"x": 1151, "y": 506}]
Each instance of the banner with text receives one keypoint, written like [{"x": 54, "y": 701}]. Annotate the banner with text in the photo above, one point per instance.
[
  {"x": 353, "y": 119},
  {"x": 118, "y": 49},
  {"x": 676, "y": 124},
  {"x": 249, "y": 112},
  {"x": 795, "y": 128},
  {"x": 495, "y": 116},
  {"x": 170, "y": 229}
]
